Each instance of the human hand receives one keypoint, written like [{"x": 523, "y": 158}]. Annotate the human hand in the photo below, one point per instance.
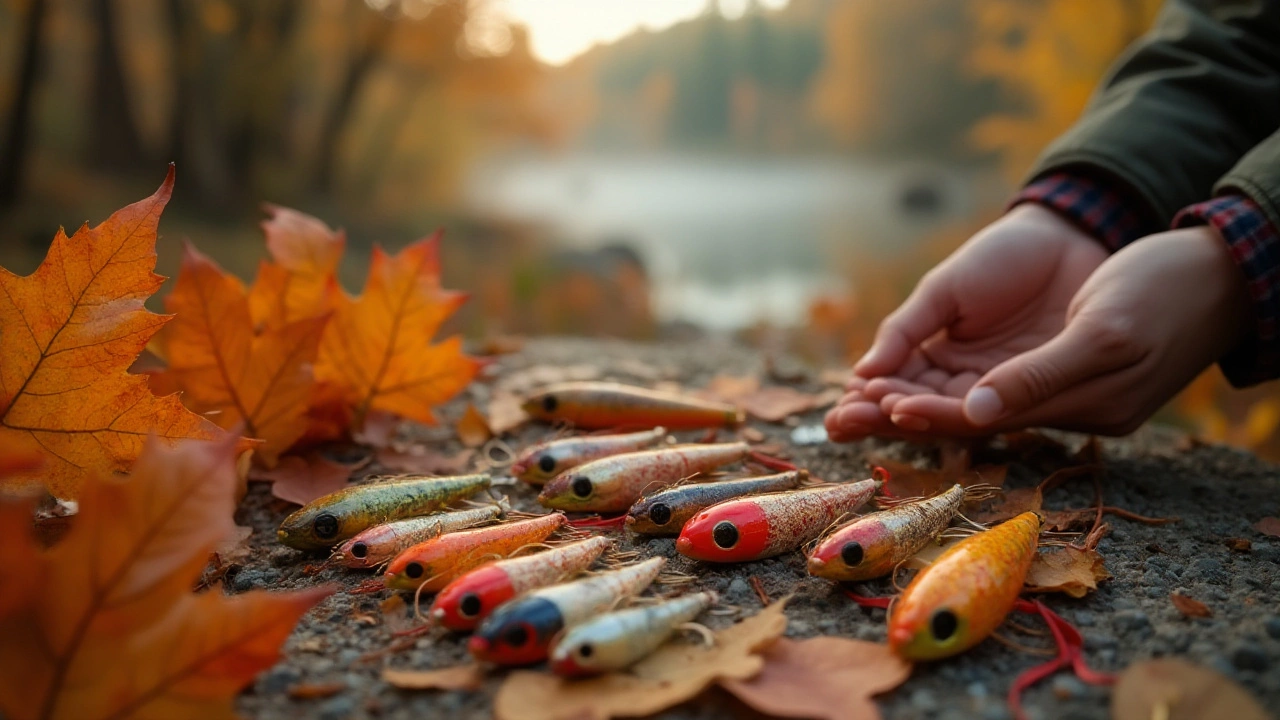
[
  {"x": 1150, "y": 319},
  {"x": 1002, "y": 293}
]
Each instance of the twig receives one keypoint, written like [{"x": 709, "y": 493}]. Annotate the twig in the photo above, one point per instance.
[{"x": 759, "y": 588}]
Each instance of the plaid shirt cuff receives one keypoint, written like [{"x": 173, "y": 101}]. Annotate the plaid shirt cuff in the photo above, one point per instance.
[
  {"x": 1097, "y": 208},
  {"x": 1255, "y": 244}
]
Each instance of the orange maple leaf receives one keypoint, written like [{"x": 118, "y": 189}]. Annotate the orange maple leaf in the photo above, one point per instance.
[
  {"x": 261, "y": 381},
  {"x": 70, "y": 330},
  {"x": 378, "y": 347},
  {"x": 301, "y": 283},
  {"x": 108, "y": 626}
]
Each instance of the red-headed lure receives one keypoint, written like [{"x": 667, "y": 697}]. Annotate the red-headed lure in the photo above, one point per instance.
[
  {"x": 753, "y": 528},
  {"x": 465, "y": 602}
]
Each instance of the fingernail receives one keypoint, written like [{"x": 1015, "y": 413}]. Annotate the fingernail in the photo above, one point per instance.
[
  {"x": 868, "y": 357},
  {"x": 983, "y": 406},
  {"x": 913, "y": 423}
]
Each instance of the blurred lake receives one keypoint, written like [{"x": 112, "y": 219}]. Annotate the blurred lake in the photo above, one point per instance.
[{"x": 729, "y": 242}]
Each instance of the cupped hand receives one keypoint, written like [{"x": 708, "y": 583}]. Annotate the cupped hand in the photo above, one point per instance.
[
  {"x": 1149, "y": 320},
  {"x": 1002, "y": 293}
]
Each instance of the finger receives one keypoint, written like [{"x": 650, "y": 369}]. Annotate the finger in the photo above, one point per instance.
[
  {"x": 959, "y": 385},
  {"x": 1086, "y": 348},
  {"x": 855, "y": 382},
  {"x": 926, "y": 311},
  {"x": 888, "y": 401},
  {"x": 934, "y": 415},
  {"x": 879, "y": 387},
  {"x": 935, "y": 378},
  {"x": 855, "y": 420}
]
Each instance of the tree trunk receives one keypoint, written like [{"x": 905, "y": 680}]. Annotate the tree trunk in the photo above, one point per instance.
[
  {"x": 17, "y": 142},
  {"x": 340, "y": 112},
  {"x": 114, "y": 140}
]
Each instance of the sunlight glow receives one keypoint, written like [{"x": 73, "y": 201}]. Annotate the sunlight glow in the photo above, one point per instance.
[{"x": 560, "y": 30}]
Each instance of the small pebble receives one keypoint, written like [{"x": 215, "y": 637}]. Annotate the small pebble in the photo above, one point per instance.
[
  {"x": 280, "y": 679},
  {"x": 1133, "y": 621},
  {"x": 924, "y": 700},
  {"x": 1084, "y": 618},
  {"x": 338, "y": 708},
  {"x": 976, "y": 690},
  {"x": 1273, "y": 627},
  {"x": 740, "y": 593},
  {"x": 1250, "y": 657}
]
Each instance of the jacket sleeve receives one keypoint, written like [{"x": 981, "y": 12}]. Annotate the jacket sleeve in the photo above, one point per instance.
[{"x": 1183, "y": 106}]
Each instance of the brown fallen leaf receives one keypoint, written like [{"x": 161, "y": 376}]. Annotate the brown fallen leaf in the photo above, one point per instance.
[
  {"x": 462, "y": 677},
  {"x": 303, "y": 478},
  {"x": 421, "y": 461},
  {"x": 908, "y": 481},
  {"x": 675, "y": 673},
  {"x": 473, "y": 430},
  {"x": 379, "y": 429},
  {"x": 927, "y": 554},
  {"x": 300, "y": 284},
  {"x": 1067, "y": 570},
  {"x": 731, "y": 388},
  {"x": 826, "y": 678},
  {"x": 505, "y": 413},
  {"x": 315, "y": 691},
  {"x": 1190, "y": 607},
  {"x": 777, "y": 403},
  {"x": 1238, "y": 544},
  {"x": 1067, "y": 520},
  {"x": 1268, "y": 526},
  {"x": 70, "y": 331},
  {"x": 1009, "y": 504},
  {"x": 234, "y": 548},
  {"x": 1172, "y": 689},
  {"x": 109, "y": 627}
]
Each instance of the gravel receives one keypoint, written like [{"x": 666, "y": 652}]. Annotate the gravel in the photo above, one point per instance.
[{"x": 1217, "y": 492}]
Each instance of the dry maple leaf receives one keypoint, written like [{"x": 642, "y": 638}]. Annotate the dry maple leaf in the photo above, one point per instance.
[
  {"x": 505, "y": 413},
  {"x": 261, "y": 381},
  {"x": 378, "y": 347},
  {"x": 826, "y": 678},
  {"x": 111, "y": 629},
  {"x": 1268, "y": 526},
  {"x": 1177, "y": 690},
  {"x": 303, "y": 478},
  {"x": 462, "y": 677},
  {"x": 473, "y": 430},
  {"x": 777, "y": 403},
  {"x": 302, "y": 282},
  {"x": 1067, "y": 570},
  {"x": 673, "y": 674},
  {"x": 71, "y": 330},
  {"x": 1190, "y": 607},
  {"x": 908, "y": 481}
]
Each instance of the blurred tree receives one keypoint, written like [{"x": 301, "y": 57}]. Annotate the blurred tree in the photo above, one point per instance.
[
  {"x": 17, "y": 140},
  {"x": 114, "y": 141}
]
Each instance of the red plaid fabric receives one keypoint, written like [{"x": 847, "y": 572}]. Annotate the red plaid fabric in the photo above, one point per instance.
[
  {"x": 1095, "y": 207},
  {"x": 1255, "y": 245}
]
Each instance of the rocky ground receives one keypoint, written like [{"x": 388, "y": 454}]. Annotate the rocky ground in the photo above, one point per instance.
[{"x": 1217, "y": 493}]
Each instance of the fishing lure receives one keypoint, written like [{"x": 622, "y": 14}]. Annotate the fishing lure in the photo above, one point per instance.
[
  {"x": 471, "y": 598},
  {"x": 665, "y": 512},
  {"x": 328, "y": 520},
  {"x": 753, "y": 528},
  {"x": 545, "y": 460},
  {"x": 434, "y": 563},
  {"x": 521, "y": 632},
  {"x": 873, "y": 545},
  {"x": 380, "y": 543},
  {"x": 962, "y": 597},
  {"x": 607, "y": 405},
  {"x": 612, "y": 484},
  {"x": 618, "y": 639}
]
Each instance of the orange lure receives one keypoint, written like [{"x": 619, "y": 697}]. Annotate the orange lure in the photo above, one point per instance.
[
  {"x": 961, "y": 598},
  {"x": 607, "y": 405},
  {"x": 434, "y": 563},
  {"x": 754, "y": 528}
]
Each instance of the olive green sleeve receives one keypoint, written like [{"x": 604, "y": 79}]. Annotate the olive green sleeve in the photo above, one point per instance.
[
  {"x": 1258, "y": 176},
  {"x": 1183, "y": 106}
]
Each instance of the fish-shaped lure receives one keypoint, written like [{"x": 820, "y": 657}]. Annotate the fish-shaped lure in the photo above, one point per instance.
[
  {"x": 614, "y": 483},
  {"x": 962, "y": 597},
  {"x": 326, "y": 521},
  {"x": 545, "y": 460},
  {"x": 609, "y": 405},
  {"x": 753, "y": 528},
  {"x": 873, "y": 545},
  {"x": 616, "y": 640},
  {"x": 465, "y": 602},
  {"x": 380, "y": 543},
  {"x": 434, "y": 563},
  {"x": 666, "y": 512},
  {"x": 521, "y": 632}
]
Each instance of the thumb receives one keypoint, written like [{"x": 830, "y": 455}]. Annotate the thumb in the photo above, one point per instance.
[
  {"x": 927, "y": 310},
  {"x": 1083, "y": 350}
]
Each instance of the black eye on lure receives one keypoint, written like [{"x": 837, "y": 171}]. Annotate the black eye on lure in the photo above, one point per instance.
[
  {"x": 470, "y": 606},
  {"x": 660, "y": 514},
  {"x": 325, "y": 525},
  {"x": 725, "y": 534},
  {"x": 851, "y": 554},
  {"x": 549, "y": 403},
  {"x": 547, "y": 464},
  {"x": 582, "y": 486},
  {"x": 943, "y": 624}
]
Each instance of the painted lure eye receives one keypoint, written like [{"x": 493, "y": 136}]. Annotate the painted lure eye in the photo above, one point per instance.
[
  {"x": 470, "y": 605},
  {"x": 943, "y": 625},
  {"x": 359, "y": 550},
  {"x": 725, "y": 534},
  {"x": 660, "y": 514},
  {"x": 581, "y": 486},
  {"x": 547, "y": 464},
  {"x": 325, "y": 526},
  {"x": 585, "y": 650},
  {"x": 414, "y": 570},
  {"x": 851, "y": 554},
  {"x": 549, "y": 403},
  {"x": 516, "y": 636}
]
